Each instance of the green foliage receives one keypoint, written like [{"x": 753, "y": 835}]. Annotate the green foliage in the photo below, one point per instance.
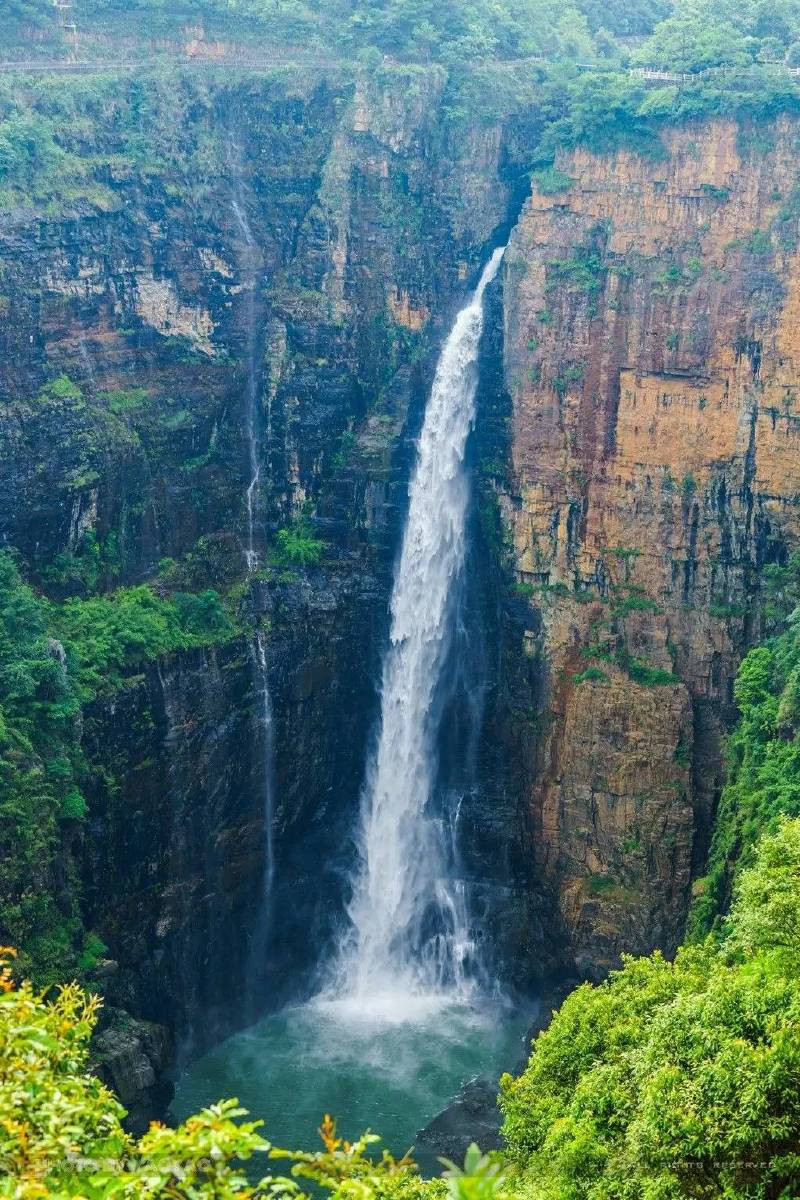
[
  {"x": 621, "y": 17},
  {"x": 591, "y": 675},
  {"x": 641, "y": 672},
  {"x": 54, "y": 658},
  {"x": 297, "y": 546},
  {"x": 108, "y": 637},
  {"x": 763, "y": 756},
  {"x": 39, "y": 775},
  {"x": 676, "y": 1079},
  {"x": 61, "y": 1132},
  {"x": 726, "y": 611},
  {"x": 550, "y": 181},
  {"x": 567, "y": 376},
  {"x": 124, "y": 400},
  {"x": 585, "y": 271},
  {"x": 58, "y": 136},
  {"x": 765, "y": 914},
  {"x": 689, "y": 41},
  {"x": 92, "y": 951},
  {"x": 480, "y": 1179},
  {"x": 634, "y": 602}
]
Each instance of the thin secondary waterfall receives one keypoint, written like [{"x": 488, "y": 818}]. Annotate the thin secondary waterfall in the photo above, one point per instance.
[
  {"x": 250, "y": 259},
  {"x": 251, "y": 410},
  {"x": 268, "y": 735},
  {"x": 409, "y": 930}
]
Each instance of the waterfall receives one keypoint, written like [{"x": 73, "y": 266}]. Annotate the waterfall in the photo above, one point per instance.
[
  {"x": 268, "y": 735},
  {"x": 409, "y": 929},
  {"x": 250, "y": 259}
]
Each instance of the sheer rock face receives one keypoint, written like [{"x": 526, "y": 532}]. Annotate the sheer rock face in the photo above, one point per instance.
[
  {"x": 327, "y": 253},
  {"x": 364, "y": 226},
  {"x": 651, "y": 351}
]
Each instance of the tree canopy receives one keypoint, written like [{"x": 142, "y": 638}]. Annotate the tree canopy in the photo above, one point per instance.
[{"x": 676, "y": 1079}]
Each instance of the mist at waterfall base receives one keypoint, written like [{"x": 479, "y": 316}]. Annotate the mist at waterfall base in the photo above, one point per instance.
[
  {"x": 407, "y": 1014},
  {"x": 390, "y": 1077}
]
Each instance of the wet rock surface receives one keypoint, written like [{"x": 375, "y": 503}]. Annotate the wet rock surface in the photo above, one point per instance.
[{"x": 133, "y": 1057}]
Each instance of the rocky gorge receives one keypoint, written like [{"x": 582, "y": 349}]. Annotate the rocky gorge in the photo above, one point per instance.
[{"x": 635, "y": 458}]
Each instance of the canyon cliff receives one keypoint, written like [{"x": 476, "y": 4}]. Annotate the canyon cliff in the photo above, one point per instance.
[
  {"x": 635, "y": 459},
  {"x": 318, "y": 261},
  {"x": 651, "y": 354}
]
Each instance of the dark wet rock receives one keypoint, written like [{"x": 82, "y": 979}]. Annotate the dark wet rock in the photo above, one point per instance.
[
  {"x": 131, "y": 1057},
  {"x": 472, "y": 1117}
]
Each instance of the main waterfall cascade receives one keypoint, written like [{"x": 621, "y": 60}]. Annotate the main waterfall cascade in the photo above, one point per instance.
[{"x": 409, "y": 935}]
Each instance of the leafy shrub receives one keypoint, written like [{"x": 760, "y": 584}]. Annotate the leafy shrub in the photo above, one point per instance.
[
  {"x": 675, "y": 1079},
  {"x": 40, "y": 765},
  {"x": 108, "y": 636},
  {"x": 689, "y": 41},
  {"x": 726, "y": 611},
  {"x": 585, "y": 271},
  {"x": 641, "y": 672},
  {"x": 297, "y": 545},
  {"x": 591, "y": 675},
  {"x": 568, "y": 375},
  {"x": 61, "y": 1132},
  {"x": 764, "y": 766},
  {"x": 550, "y": 181},
  {"x": 634, "y": 602},
  {"x": 54, "y": 658}
]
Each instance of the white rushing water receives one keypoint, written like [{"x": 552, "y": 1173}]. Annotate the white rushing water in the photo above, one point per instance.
[
  {"x": 409, "y": 945},
  {"x": 400, "y": 1026}
]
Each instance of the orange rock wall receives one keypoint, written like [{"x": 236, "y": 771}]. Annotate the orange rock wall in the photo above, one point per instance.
[{"x": 652, "y": 347}]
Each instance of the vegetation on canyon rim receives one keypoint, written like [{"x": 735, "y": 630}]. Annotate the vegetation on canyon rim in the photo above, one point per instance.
[{"x": 571, "y": 67}]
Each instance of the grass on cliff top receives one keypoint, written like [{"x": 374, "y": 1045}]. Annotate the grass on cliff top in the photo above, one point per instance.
[{"x": 559, "y": 77}]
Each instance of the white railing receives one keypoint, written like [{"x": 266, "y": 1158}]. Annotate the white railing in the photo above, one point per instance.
[
  {"x": 260, "y": 61},
  {"x": 658, "y": 74}
]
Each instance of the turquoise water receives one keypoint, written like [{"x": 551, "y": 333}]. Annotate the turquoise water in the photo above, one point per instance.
[{"x": 390, "y": 1067}]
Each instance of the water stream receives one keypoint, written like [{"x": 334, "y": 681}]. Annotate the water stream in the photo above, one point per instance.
[
  {"x": 249, "y": 258},
  {"x": 250, "y": 262},
  {"x": 410, "y": 934}
]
